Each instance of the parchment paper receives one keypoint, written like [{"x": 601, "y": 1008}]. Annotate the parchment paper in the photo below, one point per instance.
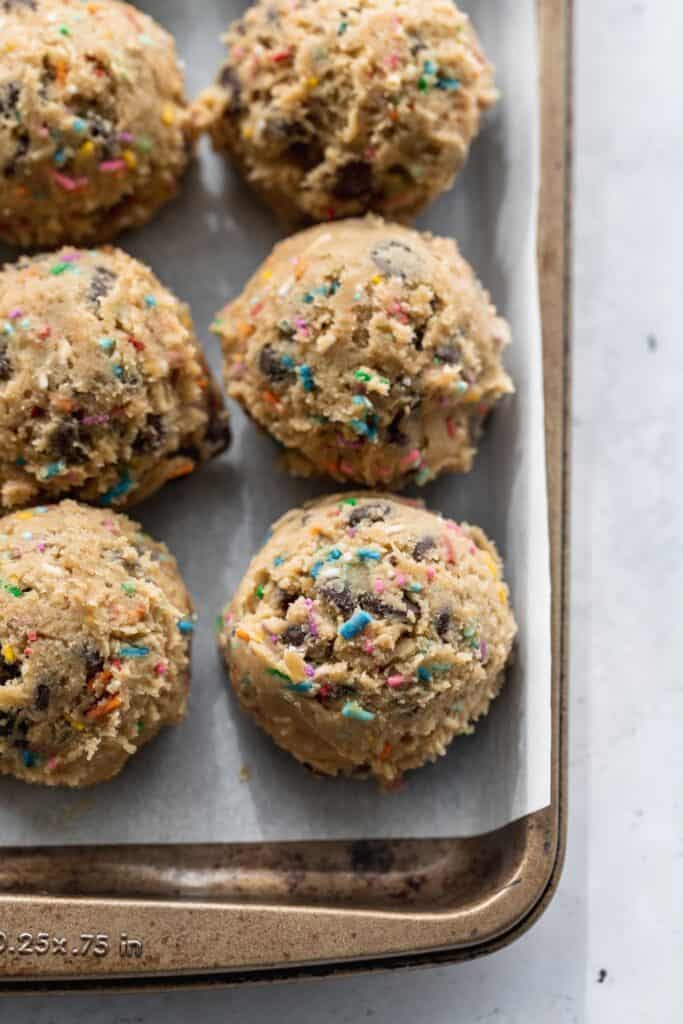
[{"x": 186, "y": 787}]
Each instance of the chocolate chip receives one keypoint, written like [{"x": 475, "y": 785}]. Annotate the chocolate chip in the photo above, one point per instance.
[
  {"x": 42, "y": 697},
  {"x": 68, "y": 442},
  {"x": 450, "y": 354},
  {"x": 412, "y": 604},
  {"x": 94, "y": 662},
  {"x": 339, "y": 594},
  {"x": 443, "y": 623},
  {"x": 381, "y": 609},
  {"x": 9, "y": 670},
  {"x": 218, "y": 432},
  {"x": 287, "y": 598},
  {"x": 375, "y": 513},
  {"x": 294, "y": 635},
  {"x": 23, "y": 143},
  {"x": 150, "y": 437},
  {"x": 232, "y": 87},
  {"x": 396, "y": 259},
  {"x": 9, "y": 99},
  {"x": 418, "y": 336},
  {"x": 5, "y": 364},
  {"x": 422, "y": 547},
  {"x": 102, "y": 282},
  {"x": 271, "y": 365},
  {"x": 306, "y": 155},
  {"x": 7, "y": 720},
  {"x": 354, "y": 181}
]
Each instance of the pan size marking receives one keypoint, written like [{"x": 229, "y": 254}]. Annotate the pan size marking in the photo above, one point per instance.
[{"x": 87, "y": 944}]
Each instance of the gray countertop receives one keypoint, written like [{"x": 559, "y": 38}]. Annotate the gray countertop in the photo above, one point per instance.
[{"x": 609, "y": 949}]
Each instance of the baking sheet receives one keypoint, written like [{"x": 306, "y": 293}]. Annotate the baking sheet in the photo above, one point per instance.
[{"x": 217, "y": 778}]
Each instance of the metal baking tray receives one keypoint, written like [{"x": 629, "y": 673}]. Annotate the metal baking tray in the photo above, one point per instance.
[{"x": 146, "y": 916}]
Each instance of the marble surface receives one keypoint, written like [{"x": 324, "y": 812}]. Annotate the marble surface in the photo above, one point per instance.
[{"x": 610, "y": 948}]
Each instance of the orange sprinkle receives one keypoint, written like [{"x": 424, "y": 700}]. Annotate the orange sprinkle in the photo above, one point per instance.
[
  {"x": 270, "y": 397},
  {"x": 242, "y": 634},
  {"x": 386, "y": 751},
  {"x": 183, "y": 469},
  {"x": 62, "y": 69},
  {"x": 104, "y": 708},
  {"x": 101, "y": 677}
]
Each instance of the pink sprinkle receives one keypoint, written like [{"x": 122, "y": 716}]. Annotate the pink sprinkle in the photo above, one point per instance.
[
  {"x": 346, "y": 468},
  {"x": 395, "y": 681},
  {"x": 411, "y": 458},
  {"x": 160, "y": 669},
  {"x": 67, "y": 183},
  {"x": 70, "y": 257},
  {"x": 124, "y": 137},
  {"x": 301, "y": 325},
  {"x": 379, "y": 586},
  {"x": 401, "y": 580},
  {"x": 52, "y": 764},
  {"x": 309, "y": 670},
  {"x": 431, "y": 573},
  {"x": 384, "y": 472},
  {"x": 41, "y": 547},
  {"x": 449, "y": 549},
  {"x": 109, "y": 166},
  {"x": 32, "y": 635},
  {"x": 312, "y": 625},
  {"x": 483, "y": 650},
  {"x": 14, "y": 314},
  {"x": 352, "y": 531},
  {"x": 368, "y": 646},
  {"x": 91, "y": 421}
]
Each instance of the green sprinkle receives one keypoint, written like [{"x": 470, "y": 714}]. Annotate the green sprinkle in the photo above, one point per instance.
[
  {"x": 363, "y": 375},
  {"x": 352, "y": 709},
  {"x": 140, "y": 727},
  {"x": 343, "y": 25},
  {"x": 128, "y": 588},
  {"x": 350, "y": 501},
  {"x": 64, "y": 30},
  {"x": 279, "y": 675},
  {"x": 260, "y": 591},
  {"x": 60, "y": 268},
  {"x": 11, "y": 588}
]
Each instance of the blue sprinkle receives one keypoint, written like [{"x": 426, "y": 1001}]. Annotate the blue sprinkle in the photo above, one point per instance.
[
  {"x": 186, "y": 626},
  {"x": 41, "y": 510},
  {"x": 278, "y": 560},
  {"x": 429, "y": 67},
  {"x": 133, "y": 652},
  {"x": 369, "y": 555},
  {"x": 316, "y": 569},
  {"x": 352, "y": 709},
  {"x": 334, "y": 554},
  {"x": 448, "y": 84},
  {"x": 28, "y": 758},
  {"x": 416, "y": 587},
  {"x": 118, "y": 490},
  {"x": 299, "y": 687},
  {"x": 21, "y": 461},
  {"x": 118, "y": 371},
  {"x": 150, "y": 301},
  {"x": 287, "y": 361},
  {"x": 106, "y": 344},
  {"x": 306, "y": 375},
  {"x": 8, "y": 329},
  {"x": 308, "y": 298},
  {"x": 60, "y": 157},
  {"x": 53, "y": 469},
  {"x": 362, "y": 400},
  {"x": 79, "y": 125},
  {"x": 355, "y": 625},
  {"x": 424, "y": 674},
  {"x": 360, "y": 427}
]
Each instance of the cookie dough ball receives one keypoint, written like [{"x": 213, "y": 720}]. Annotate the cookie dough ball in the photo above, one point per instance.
[
  {"x": 370, "y": 351},
  {"x": 94, "y": 128},
  {"x": 104, "y": 391},
  {"x": 331, "y": 109},
  {"x": 367, "y": 633},
  {"x": 95, "y": 629}
]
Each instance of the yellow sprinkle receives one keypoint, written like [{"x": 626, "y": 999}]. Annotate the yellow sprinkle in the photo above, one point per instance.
[
  {"x": 8, "y": 655},
  {"x": 492, "y": 567},
  {"x": 74, "y": 724},
  {"x": 87, "y": 149},
  {"x": 311, "y": 82},
  {"x": 266, "y": 275},
  {"x": 246, "y": 132},
  {"x": 168, "y": 114},
  {"x": 24, "y": 515},
  {"x": 472, "y": 397},
  {"x": 130, "y": 158},
  {"x": 377, "y": 279},
  {"x": 502, "y": 594}
]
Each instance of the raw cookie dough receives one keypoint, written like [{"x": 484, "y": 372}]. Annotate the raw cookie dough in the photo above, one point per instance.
[
  {"x": 370, "y": 351},
  {"x": 104, "y": 391},
  {"x": 367, "y": 633},
  {"x": 95, "y": 629},
  {"x": 94, "y": 127},
  {"x": 331, "y": 109}
]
